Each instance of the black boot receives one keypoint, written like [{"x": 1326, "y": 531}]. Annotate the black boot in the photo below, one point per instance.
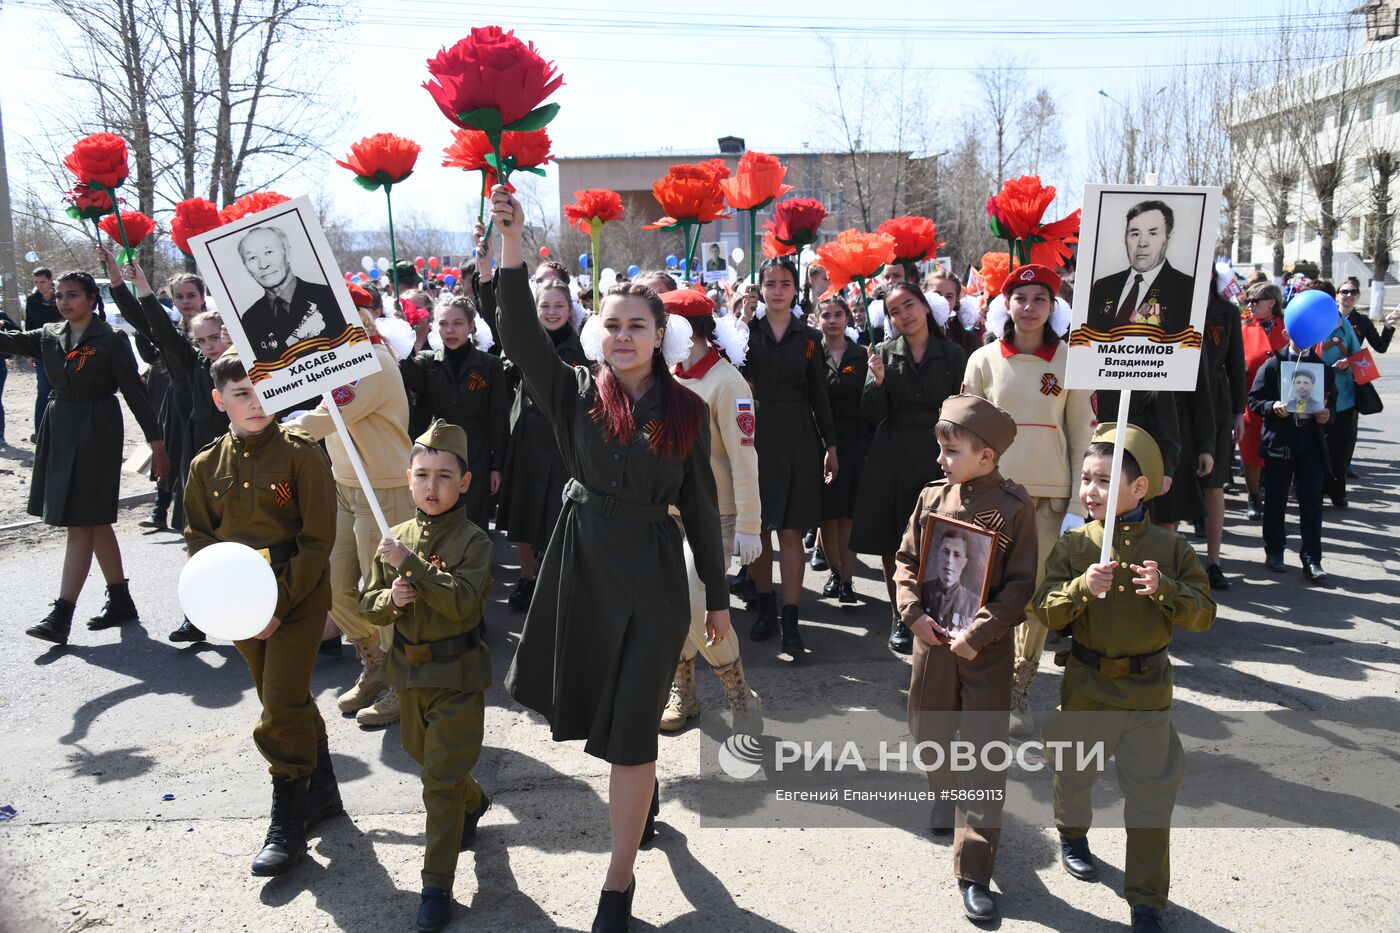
[
  {"x": 323, "y": 793},
  {"x": 977, "y": 901},
  {"x": 1255, "y": 510},
  {"x": 56, "y": 625},
  {"x": 792, "y": 638},
  {"x": 434, "y": 910},
  {"x": 1146, "y": 920},
  {"x": 818, "y": 561},
  {"x": 519, "y": 599},
  {"x": 472, "y": 818},
  {"x": 615, "y": 910},
  {"x": 649, "y": 830},
  {"x": 832, "y": 589},
  {"x": 186, "y": 632},
  {"x": 118, "y": 610},
  {"x": 767, "y": 622},
  {"x": 1077, "y": 859},
  {"x": 847, "y": 593},
  {"x": 901, "y": 639},
  {"x": 286, "y": 832}
]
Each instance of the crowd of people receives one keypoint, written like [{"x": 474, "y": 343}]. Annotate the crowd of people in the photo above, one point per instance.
[{"x": 634, "y": 452}]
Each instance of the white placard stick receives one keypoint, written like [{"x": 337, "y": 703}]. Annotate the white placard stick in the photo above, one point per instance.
[
  {"x": 1110, "y": 515},
  {"x": 357, "y": 464}
]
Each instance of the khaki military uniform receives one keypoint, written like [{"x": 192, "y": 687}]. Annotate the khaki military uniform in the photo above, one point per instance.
[
  {"x": 1119, "y": 673},
  {"x": 440, "y": 667},
  {"x": 942, "y": 684},
  {"x": 273, "y": 491}
]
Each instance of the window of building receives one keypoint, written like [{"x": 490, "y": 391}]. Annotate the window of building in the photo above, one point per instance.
[
  {"x": 1395, "y": 99},
  {"x": 1342, "y": 114}
]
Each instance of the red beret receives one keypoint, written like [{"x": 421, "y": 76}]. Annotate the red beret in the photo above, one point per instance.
[
  {"x": 688, "y": 302},
  {"x": 360, "y": 296},
  {"x": 1031, "y": 275}
]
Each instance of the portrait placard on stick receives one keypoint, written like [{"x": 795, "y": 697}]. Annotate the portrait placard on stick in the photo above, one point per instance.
[
  {"x": 285, "y": 303},
  {"x": 1146, "y": 256}
]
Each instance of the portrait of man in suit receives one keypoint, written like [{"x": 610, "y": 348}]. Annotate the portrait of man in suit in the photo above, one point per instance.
[
  {"x": 1150, "y": 291},
  {"x": 946, "y": 600},
  {"x": 290, "y": 309}
]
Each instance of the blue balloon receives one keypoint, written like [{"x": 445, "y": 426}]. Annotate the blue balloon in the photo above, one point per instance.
[
  {"x": 671, "y": 262},
  {"x": 374, "y": 274},
  {"x": 449, "y": 280},
  {"x": 633, "y": 270},
  {"x": 1310, "y": 317},
  {"x": 583, "y": 260}
]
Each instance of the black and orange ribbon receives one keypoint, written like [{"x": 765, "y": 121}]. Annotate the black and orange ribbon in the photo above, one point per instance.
[
  {"x": 1189, "y": 338},
  {"x": 81, "y": 354}
]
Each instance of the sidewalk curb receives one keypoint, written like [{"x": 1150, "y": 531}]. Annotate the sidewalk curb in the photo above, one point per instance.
[{"x": 125, "y": 502}]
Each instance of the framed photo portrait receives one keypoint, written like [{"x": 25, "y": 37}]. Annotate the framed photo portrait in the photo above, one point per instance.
[{"x": 955, "y": 566}]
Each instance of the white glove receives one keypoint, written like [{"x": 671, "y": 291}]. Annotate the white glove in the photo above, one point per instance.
[
  {"x": 1071, "y": 522},
  {"x": 748, "y": 547},
  {"x": 293, "y": 416}
]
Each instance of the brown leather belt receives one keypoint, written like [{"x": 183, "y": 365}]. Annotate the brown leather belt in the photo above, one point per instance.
[
  {"x": 444, "y": 649},
  {"x": 1119, "y": 667}
]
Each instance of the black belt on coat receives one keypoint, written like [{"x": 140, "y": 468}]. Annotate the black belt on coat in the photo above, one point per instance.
[
  {"x": 780, "y": 395},
  {"x": 444, "y": 649},
  {"x": 612, "y": 506},
  {"x": 278, "y": 553},
  {"x": 77, "y": 395},
  {"x": 1120, "y": 667}
]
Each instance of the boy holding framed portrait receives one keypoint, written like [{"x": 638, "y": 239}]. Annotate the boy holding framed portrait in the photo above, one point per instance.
[{"x": 964, "y": 573}]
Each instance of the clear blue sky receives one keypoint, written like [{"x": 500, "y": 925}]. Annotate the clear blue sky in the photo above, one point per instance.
[{"x": 649, "y": 76}]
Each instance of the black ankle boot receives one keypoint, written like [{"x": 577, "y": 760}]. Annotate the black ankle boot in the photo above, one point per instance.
[
  {"x": 187, "y": 633},
  {"x": 792, "y": 638},
  {"x": 56, "y": 625},
  {"x": 901, "y": 639},
  {"x": 1077, "y": 859},
  {"x": 767, "y": 622},
  {"x": 470, "y": 821},
  {"x": 322, "y": 793},
  {"x": 118, "y": 610},
  {"x": 615, "y": 910},
  {"x": 286, "y": 831},
  {"x": 649, "y": 830},
  {"x": 434, "y": 910}
]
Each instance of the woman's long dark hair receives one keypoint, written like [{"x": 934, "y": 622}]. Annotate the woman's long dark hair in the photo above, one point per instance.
[
  {"x": 683, "y": 411},
  {"x": 934, "y": 328}
]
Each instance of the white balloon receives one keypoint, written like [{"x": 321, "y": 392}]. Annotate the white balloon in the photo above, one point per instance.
[
  {"x": 31, "y": 256},
  {"x": 366, "y": 263},
  {"x": 737, "y": 255},
  {"x": 383, "y": 263},
  {"x": 606, "y": 279},
  {"x": 211, "y": 579}
]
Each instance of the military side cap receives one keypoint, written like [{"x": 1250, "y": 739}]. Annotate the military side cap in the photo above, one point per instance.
[
  {"x": 1143, "y": 448},
  {"x": 444, "y": 436},
  {"x": 973, "y": 413}
]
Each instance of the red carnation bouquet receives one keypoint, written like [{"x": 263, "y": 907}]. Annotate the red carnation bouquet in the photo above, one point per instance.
[
  {"x": 127, "y": 229},
  {"x": 1015, "y": 215},
  {"x": 251, "y": 204},
  {"x": 592, "y": 208},
  {"x": 86, "y": 204},
  {"x": 470, "y": 151},
  {"x": 99, "y": 163},
  {"x": 795, "y": 224},
  {"x": 382, "y": 161},
  {"x": 192, "y": 217}
]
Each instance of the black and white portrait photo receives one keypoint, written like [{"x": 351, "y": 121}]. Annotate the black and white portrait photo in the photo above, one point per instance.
[
  {"x": 1151, "y": 289},
  {"x": 955, "y": 561},
  {"x": 715, "y": 257},
  {"x": 292, "y": 306}
]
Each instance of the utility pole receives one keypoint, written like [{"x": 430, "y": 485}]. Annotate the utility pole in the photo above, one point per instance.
[{"x": 9, "y": 277}]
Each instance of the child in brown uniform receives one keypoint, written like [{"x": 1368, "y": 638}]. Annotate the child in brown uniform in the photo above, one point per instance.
[{"x": 969, "y": 670}]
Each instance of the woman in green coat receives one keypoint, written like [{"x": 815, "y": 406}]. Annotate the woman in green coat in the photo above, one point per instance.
[
  {"x": 612, "y": 608},
  {"x": 909, "y": 377},
  {"x": 78, "y": 459}
]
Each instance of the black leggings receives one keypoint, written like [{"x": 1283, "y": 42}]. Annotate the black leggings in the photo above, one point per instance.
[{"x": 1341, "y": 446}]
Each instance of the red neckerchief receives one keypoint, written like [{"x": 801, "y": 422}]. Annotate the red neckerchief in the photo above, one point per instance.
[
  {"x": 707, "y": 362},
  {"x": 1046, "y": 351}
]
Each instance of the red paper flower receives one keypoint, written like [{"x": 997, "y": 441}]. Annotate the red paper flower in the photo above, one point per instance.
[
  {"x": 773, "y": 248},
  {"x": 1016, "y": 213},
  {"x": 520, "y": 152},
  {"x": 192, "y": 217},
  {"x": 592, "y": 208},
  {"x": 796, "y": 221},
  {"x": 137, "y": 225},
  {"x": 99, "y": 160},
  {"x": 915, "y": 238},
  {"x": 688, "y": 194},
  {"x": 854, "y": 255},
  {"x": 492, "y": 81},
  {"x": 993, "y": 272},
  {"x": 1050, "y": 247},
  {"x": 757, "y": 182},
  {"x": 717, "y": 168},
  {"x": 86, "y": 204},
  {"x": 251, "y": 204},
  {"x": 381, "y": 160}
]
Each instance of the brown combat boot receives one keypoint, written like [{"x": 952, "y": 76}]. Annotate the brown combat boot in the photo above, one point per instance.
[
  {"x": 384, "y": 711},
  {"x": 684, "y": 704},
  {"x": 368, "y": 687},
  {"x": 745, "y": 708},
  {"x": 1022, "y": 674}
]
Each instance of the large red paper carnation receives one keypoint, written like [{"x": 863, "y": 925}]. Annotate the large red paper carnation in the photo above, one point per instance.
[
  {"x": 773, "y": 248},
  {"x": 1015, "y": 214},
  {"x": 490, "y": 80},
  {"x": 688, "y": 194},
  {"x": 993, "y": 272},
  {"x": 251, "y": 204},
  {"x": 796, "y": 221},
  {"x": 137, "y": 226},
  {"x": 99, "y": 160},
  {"x": 592, "y": 208},
  {"x": 192, "y": 217},
  {"x": 915, "y": 238},
  {"x": 854, "y": 255},
  {"x": 381, "y": 159},
  {"x": 470, "y": 150},
  {"x": 757, "y": 182},
  {"x": 717, "y": 168},
  {"x": 86, "y": 204}
]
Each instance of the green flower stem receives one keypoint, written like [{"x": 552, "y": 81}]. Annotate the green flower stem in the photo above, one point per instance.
[
  {"x": 753, "y": 244},
  {"x": 865, "y": 304},
  {"x": 393, "y": 250},
  {"x": 593, "y": 228}
]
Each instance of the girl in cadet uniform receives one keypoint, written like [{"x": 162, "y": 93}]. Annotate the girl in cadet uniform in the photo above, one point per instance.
[
  {"x": 785, "y": 367},
  {"x": 909, "y": 377},
  {"x": 78, "y": 458},
  {"x": 612, "y": 608},
  {"x": 846, "y": 367},
  {"x": 464, "y": 386},
  {"x": 534, "y": 468}
]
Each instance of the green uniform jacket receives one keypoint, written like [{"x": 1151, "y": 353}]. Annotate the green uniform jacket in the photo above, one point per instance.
[
  {"x": 450, "y": 569},
  {"x": 268, "y": 491},
  {"x": 903, "y": 454},
  {"x": 1124, "y": 624}
]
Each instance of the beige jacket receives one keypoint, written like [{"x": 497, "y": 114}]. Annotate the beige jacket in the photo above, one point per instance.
[
  {"x": 732, "y": 455},
  {"x": 375, "y": 410}
]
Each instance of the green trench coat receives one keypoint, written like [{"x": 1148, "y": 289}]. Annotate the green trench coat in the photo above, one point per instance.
[{"x": 611, "y": 608}]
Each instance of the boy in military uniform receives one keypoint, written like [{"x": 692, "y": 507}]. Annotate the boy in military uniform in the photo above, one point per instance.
[
  {"x": 271, "y": 489},
  {"x": 429, "y": 581},
  {"x": 961, "y": 681},
  {"x": 1123, "y": 614}
]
